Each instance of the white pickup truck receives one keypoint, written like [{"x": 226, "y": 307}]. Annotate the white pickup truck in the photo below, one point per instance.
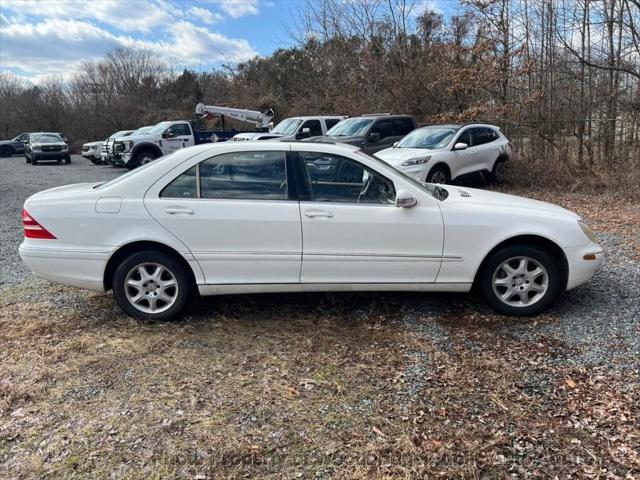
[
  {"x": 163, "y": 139},
  {"x": 293, "y": 128}
]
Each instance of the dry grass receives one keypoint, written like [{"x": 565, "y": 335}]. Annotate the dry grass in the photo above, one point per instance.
[{"x": 300, "y": 386}]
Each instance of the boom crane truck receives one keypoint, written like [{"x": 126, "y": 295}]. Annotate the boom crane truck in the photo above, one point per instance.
[{"x": 167, "y": 137}]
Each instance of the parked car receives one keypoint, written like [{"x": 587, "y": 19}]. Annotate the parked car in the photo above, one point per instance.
[
  {"x": 442, "y": 153},
  {"x": 107, "y": 145},
  {"x": 293, "y": 128},
  {"x": 91, "y": 151},
  {"x": 46, "y": 146},
  {"x": 14, "y": 146},
  {"x": 194, "y": 223},
  {"x": 370, "y": 132}
]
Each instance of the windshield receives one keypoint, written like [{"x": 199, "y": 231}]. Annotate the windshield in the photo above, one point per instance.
[
  {"x": 141, "y": 131},
  {"x": 287, "y": 127},
  {"x": 431, "y": 138},
  {"x": 46, "y": 138},
  {"x": 432, "y": 189},
  {"x": 350, "y": 127},
  {"x": 159, "y": 128}
]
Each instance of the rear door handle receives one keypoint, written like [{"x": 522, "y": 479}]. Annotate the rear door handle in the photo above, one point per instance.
[
  {"x": 318, "y": 213},
  {"x": 179, "y": 211}
]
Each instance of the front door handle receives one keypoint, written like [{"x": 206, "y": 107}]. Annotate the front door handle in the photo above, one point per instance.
[
  {"x": 179, "y": 211},
  {"x": 318, "y": 213}
]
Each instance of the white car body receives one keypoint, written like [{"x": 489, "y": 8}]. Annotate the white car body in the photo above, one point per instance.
[
  {"x": 92, "y": 150},
  {"x": 245, "y": 246},
  {"x": 316, "y": 126},
  {"x": 420, "y": 162}
]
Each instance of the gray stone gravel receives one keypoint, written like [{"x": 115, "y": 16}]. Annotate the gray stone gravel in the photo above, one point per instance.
[{"x": 598, "y": 323}]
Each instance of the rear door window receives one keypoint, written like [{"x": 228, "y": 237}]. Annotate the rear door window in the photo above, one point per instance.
[
  {"x": 403, "y": 126},
  {"x": 245, "y": 176}
]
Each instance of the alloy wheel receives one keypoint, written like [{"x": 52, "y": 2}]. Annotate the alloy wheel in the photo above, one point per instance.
[
  {"x": 151, "y": 287},
  {"x": 520, "y": 281}
]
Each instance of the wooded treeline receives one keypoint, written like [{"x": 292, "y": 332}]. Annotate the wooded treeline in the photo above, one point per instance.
[{"x": 560, "y": 77}]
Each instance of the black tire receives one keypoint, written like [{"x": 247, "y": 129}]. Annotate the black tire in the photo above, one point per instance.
[
  {"x": 67, "y": 160},
  {"x": 498, "y": 173},
  {"x": 6, "y": 152},
  {"x": 27, "y": 159},
  {"x": 141, "y": 158},
  {"x": 542, "y": 257},
  {"x": 182, "y": 291},
  {"x": 34, "y": 161},
  {"x": 440, "y": 173}
]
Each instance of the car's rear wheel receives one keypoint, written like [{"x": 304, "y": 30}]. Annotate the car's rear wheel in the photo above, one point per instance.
[
  {"x": 438, "y": 174},
  {"x": 521, "y": 280},
  {"x": 67, "y": 160},
  {"x": 6, "y": 152},
  {"x": 151, "y": 285},
  {"x": 499, "y": 171}
]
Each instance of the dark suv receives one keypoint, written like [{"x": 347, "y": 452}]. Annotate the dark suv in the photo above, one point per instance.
[
  {"x": 46, "y": 146},
  {"x": 370, "y": 132}
]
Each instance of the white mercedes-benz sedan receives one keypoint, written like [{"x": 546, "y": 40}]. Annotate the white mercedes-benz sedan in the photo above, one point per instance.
[{"x": 242, "y": 217}]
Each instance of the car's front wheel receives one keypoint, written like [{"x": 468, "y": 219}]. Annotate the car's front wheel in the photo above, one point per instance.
[
  {"x": 521, "y": 280},
  {"x": 438, "y": 174},
  {"x": 151, "y": 285}
]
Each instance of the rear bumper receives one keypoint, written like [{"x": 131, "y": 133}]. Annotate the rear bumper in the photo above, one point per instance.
[
  {"x": 580, "y": 269},
  {"x": 78, "y": 266}
]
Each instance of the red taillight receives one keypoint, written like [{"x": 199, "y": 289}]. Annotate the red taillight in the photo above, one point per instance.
[{"x": 33, "y": 229}]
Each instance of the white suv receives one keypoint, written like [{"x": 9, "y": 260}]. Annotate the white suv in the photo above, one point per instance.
[{"x": 441, "y": 153}]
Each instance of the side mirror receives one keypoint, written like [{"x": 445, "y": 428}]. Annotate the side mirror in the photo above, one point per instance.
[
  {"x": 304, "y": 133},
  {"x": 168, "y": 134},
  {"x": 460, "y": 146},
  {"x": 405, "y": 199},
  {"x": 374, "y": 137},
  {"x": 395, "y": 144}
]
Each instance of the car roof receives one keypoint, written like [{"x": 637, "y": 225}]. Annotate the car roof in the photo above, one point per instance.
[
  {"x": 45, "y": 133},
  {"x": 461, "y": 125},
  {"x": 315, "y": 117}
]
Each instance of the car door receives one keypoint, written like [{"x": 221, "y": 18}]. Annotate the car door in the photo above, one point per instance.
[
  {"x": 234, "y": 212},
  {"x": 464, "y": 161},
  {"x": 353, "y": 234},
  {"x": 177, "y": 136},
  {"x": 386, "y": 136},
  {"x": 18, "y": 143},
  {"x": 488, "y": 148}
]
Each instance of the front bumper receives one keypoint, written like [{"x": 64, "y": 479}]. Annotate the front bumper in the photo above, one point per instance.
[
  {"x": 580, "y": 269},
  {"x": 49, "y": 155},
  {"x": 69, "y": 265},
  {"x": 419, "y": 172}
]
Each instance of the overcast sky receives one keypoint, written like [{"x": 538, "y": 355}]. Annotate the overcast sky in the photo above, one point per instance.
[{"x": 39, "y": 38}]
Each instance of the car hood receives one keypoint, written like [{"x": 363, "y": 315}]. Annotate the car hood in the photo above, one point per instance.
[
  {"x": 352, "y": 140},
  {"x": 395, "y": 156},
  {"x": 93, "y": 144},
  {"x": 462, "y": 196},
  {"x": 257, "y": 135}
]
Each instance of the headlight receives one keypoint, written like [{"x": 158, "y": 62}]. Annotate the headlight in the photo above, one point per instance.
[
  {"x": 35, "y": 148},
  {"x": 65, "y": 147},
  {"x": 588, "y": 232},
  {"x": 415, "y": 161}
]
